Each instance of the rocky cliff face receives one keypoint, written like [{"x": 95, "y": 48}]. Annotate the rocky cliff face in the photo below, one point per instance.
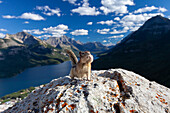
[{"x": 111, "y": 91}]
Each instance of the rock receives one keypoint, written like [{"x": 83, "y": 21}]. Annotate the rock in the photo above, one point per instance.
[{"x": 114, "y": 90}]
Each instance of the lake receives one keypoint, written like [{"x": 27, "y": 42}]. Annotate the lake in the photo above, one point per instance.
[{"x": 34, "y": 77}]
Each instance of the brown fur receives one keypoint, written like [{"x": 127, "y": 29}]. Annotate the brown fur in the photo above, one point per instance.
[{"x": 83, "y": 67}]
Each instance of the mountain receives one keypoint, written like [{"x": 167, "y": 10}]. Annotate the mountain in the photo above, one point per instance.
[
  {"x": 145, "y": 51},
  {"x": 65, "y": 42},
  {"x": 94, "y": 47},
  {"x": 23, "y": 50},
  {"x": 110, "y": 91}
]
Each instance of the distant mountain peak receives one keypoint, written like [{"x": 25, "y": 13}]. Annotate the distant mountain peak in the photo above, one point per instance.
[
  {"x": 7, "y": 36},
  {"x": 156, "y": 22},
  {"x": 159, "y": 19},
  {"x": 23, "y": 33}
]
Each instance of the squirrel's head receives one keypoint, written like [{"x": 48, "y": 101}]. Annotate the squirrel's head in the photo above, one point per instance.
[{"x": 86, "y": 57}]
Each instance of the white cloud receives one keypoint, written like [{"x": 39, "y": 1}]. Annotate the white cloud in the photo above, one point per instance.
[
  {"x": 109, "y": 44},
  {"x": 71, "y": 1},
  {"x": 115, "y": 31},
  {"x": 133, "y": 22},
  {"x": 89, "y": 23},
  {"x": 8, "y": 16},
  {"x": 57, "y": 31},
  {"x": 149, "y": 9},
  {"x": 79, "y": 32},
  {"x": 108, "y": 22},
  {"x": 3, "y": 30},
  {"x": 0, "y": 1},
  {"x": 26, "y": 22},
  {"x": 139, "y": 18},
  {"x": 48, "y": 11},
  {"x": 103, "y": 31},
  {"x": 117, "y": 6},
  {"x": 162, "y": 9},
  {"x": 30, "y": 16},
  {"x": 34, "y": 31},
  {"x": 44, "y": 36},
  {"x": 117, "y": 36},
  {"x": 86, "y": 10},
  {"x": 117, "y": 18},
  {"x": 104, "y": 41},
  {"x": 134, "y": 28},
  {"x": 145, "y": 9},
  {"x": 2, "y": 35}
]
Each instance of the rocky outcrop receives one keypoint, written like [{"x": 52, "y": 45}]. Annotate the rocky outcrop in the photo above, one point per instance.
[{"x": 111, "y": 91}]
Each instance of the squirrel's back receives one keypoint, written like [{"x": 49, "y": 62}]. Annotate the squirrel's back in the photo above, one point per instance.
[{"x": 72, "y": 56}]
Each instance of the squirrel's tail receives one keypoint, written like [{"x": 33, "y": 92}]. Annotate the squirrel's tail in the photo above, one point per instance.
[{"x": 72, "y": 56}]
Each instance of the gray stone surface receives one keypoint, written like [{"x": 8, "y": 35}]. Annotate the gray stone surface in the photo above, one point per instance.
[{"x": 110, "y": 91}]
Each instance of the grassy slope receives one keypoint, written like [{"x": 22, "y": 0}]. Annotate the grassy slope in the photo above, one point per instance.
[{"x": 19, "y": 94}]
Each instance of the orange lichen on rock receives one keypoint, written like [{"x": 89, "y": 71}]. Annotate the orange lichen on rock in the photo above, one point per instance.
[
  {"x": 123, "y": 104},
  {"x": 114, "y": 95},
  {"x": 66, "y": 109},
  {"x": 132, "y": 111},
  {"x": 92, "y": 111},
  {"x": 166, "y": 103},
  {"x": 158, "y": 95},
  {"x": 78, "y": 91},
  {"x": 72, "y": 106},
  {"x": 61, "y": 95},
  {"x": 62, "y": 101},
  {"x": 65, "y": 104},
  {"x": 109, "y": 100},
  {"x": 161, "y": 99}
]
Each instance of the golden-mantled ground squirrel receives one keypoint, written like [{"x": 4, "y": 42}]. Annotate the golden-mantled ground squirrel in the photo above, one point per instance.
[{"x": 81, "y": 68}]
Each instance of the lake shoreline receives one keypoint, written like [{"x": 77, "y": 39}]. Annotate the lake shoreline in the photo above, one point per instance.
[{"x": 34, "y": 76}]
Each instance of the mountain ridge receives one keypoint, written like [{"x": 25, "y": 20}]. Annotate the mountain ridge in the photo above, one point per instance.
[
  {"x": 142, "y": 50},
  {"x": 66, "y": 42}
]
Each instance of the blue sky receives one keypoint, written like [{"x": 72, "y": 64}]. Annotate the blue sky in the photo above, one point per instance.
[{"x": 107, "y": 21}]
